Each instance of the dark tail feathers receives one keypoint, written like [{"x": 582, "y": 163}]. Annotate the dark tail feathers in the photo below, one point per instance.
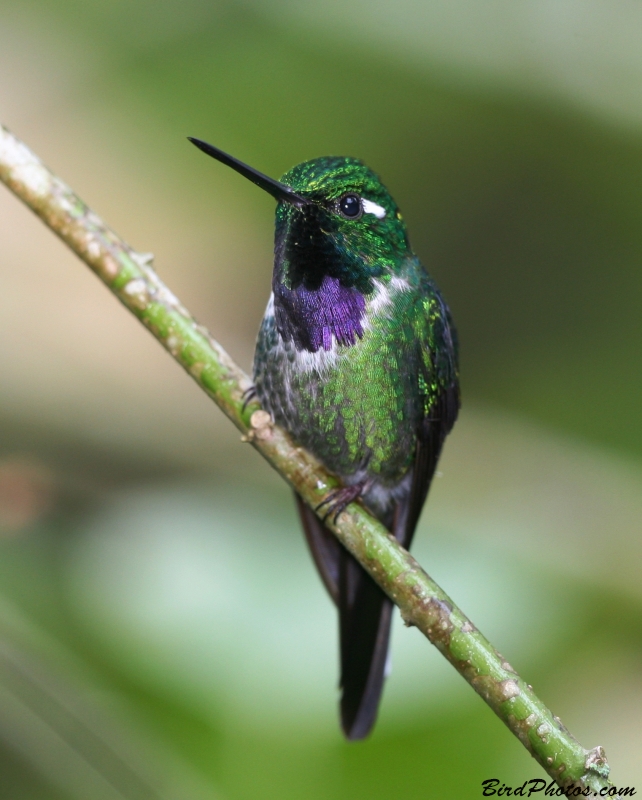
[{"x": 364, "y": 625}]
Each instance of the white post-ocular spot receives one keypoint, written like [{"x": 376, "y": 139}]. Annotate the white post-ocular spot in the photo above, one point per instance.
[{"x": 373, "y": 208}]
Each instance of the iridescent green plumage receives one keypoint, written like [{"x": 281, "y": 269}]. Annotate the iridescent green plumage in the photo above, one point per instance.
[
  {"x": 357, "y": 358},
  {"x": 355, "y": 405},
  {"x": 357, "y": 252},
  {"x": 363, "y": 402}
]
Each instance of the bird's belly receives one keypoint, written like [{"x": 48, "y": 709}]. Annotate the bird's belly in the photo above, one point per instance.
[{"x": 353, "y": 407}]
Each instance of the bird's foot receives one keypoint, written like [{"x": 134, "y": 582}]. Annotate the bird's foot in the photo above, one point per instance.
[
  {"x": 248, "y": 396},
  {"x": 338, "y": 500}
]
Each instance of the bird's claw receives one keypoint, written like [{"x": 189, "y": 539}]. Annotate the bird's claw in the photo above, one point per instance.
[
  {"x": 248, "y": 396},
  {"x": 339, "y": 499}
]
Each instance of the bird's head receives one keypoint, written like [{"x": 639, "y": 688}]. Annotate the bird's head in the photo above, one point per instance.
[{"x": 334, "y": 218}]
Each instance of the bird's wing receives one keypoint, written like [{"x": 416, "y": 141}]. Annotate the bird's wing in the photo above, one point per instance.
[{"x": 437, "y": 376}]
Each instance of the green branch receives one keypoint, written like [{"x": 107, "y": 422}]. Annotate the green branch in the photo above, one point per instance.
[{"x": 422, "y": 602}]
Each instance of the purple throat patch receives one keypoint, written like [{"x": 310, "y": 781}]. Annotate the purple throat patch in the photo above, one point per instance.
[{"x": 311, "y": 317}]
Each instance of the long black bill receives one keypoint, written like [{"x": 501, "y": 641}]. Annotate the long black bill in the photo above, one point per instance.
[{"x": 276, "y": 189}]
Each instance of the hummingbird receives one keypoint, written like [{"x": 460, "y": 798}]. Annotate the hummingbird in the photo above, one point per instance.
[{"x": 357, "y": 358}]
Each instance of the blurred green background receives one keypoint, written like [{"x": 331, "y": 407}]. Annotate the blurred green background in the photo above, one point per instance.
[{"x": 162, "y": 631}]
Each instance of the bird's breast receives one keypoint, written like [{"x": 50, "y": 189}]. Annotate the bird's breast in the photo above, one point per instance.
[{"x": 354, "y": 404}]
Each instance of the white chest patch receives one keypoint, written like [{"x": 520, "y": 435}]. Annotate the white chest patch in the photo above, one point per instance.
[
  {"x": 384, "y": 292},
  {"x": 269, "y": 311},
  {"x": 319, "y": 362}
]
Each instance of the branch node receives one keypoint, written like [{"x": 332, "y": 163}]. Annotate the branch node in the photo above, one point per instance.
[
  {"x": 262, "y": 425},
  {"x": 143, "y": 259},
  {"x": 596, "y": 762}
]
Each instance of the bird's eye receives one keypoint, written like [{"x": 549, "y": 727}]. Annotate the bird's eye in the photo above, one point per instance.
[{"x": 350, "y": 206}]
